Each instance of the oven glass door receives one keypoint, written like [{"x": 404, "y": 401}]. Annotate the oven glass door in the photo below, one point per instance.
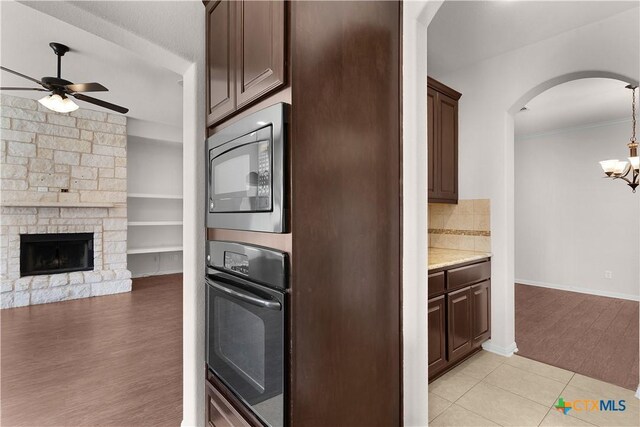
[
  {"x": 245, "y": 344},
  {"x": 240, "y": 178}
]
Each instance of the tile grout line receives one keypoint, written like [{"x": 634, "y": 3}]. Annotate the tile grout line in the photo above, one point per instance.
[
  {"x": 545, "y": 377},
  {"x": 560, "y": 394},
  {"x": 516, "y": 394},
  {"x": 467, "y": 409},
  {"x": 569, "y": 415},
  {"x": 472, "y": 387},
  {"x": 543, "y": 363},
  {"x": 510, "y": 392}
]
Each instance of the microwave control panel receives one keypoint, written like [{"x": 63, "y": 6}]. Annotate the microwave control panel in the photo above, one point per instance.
[{"x": 264, "y": 175}]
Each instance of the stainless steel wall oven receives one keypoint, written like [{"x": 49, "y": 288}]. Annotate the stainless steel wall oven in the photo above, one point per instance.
[{"x": 246, "y": 312}]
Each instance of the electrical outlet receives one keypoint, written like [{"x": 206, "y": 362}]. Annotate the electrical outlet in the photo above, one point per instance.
[{"x": 608, "y": 274}]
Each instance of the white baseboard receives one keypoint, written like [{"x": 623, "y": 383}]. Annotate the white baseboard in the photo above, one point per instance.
[
  {"x": 638, "y": 392},
  {"x": 507, "y": 351},
  {"x": 579, "y": 290},
  {"x": 159, "y": 273}
]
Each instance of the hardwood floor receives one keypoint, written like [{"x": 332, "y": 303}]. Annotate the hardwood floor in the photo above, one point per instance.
[
  {"x": 111, "y": 361},
  {"x": 591, "y": 335}
]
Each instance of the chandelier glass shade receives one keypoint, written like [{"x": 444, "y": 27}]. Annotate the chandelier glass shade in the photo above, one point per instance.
[{"x": 629, "y": 170}]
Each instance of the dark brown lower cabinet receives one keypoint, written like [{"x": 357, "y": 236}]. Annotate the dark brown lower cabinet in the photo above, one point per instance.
[
  {"x": 480, "y": 312},
  {"x": 220, "y": 413},
  {"x": 437, "y": 334},
  {"x": 459, "y": 313},
  {"x": 459, "y": 323}
]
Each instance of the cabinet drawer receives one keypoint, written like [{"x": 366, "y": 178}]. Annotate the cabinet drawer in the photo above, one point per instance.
[
  {"x": 436, "y": 283},
  {"x": 220, "y": 413},
  {"x": 468, "y": 275}
]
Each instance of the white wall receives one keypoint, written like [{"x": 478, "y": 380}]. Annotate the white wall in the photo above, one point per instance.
[
  {"x": 154, "y": 166},
  {"x": 572, "y": 225},
  {"x": 492, "y": 91},
  {"x": 416, "y": 16},
  {"x": 194, "y": 242}
]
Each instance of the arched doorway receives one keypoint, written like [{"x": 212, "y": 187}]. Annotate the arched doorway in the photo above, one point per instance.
[{"x": 568, "y": 275}]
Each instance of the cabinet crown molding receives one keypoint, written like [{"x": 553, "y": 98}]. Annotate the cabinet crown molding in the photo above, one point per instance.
[{"x": 442, "y": 88}]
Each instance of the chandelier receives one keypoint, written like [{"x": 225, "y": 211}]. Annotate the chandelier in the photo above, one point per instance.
[{"x": 616, "y": 169}]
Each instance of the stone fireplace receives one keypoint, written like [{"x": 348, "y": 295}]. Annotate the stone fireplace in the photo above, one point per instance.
[{"x": 64, "y": 182}]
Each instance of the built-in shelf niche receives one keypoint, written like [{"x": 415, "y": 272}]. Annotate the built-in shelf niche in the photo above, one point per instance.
[{"x": 154, "y": 204}]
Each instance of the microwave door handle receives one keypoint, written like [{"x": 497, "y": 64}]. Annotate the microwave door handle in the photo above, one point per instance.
[{"x": 263, "y": 303}]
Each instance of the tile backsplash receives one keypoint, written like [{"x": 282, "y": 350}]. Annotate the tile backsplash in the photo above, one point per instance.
[{"x": 465, "y": 226}]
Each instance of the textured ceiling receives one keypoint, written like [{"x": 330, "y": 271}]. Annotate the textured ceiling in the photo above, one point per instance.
[
  {"x": 466, "y": 32},
  {"x": 165, "y": 23}
]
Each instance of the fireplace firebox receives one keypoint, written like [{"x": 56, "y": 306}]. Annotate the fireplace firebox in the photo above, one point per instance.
[{"x": 55, "y": 253}]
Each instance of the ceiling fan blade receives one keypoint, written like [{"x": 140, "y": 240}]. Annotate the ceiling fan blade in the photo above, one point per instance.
[
  {"x": 23, "y": 88},
  {"x": 21, "y": 75},
  {"x": 100, "y": 102},
  {"x": 86, "y": 87}
]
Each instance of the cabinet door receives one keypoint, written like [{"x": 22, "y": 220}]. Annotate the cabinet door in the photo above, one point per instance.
[
  {"x": 220, "y": 413},
  {"x": 437, "y": 335},
  {"x": 432, "y": 131},
  {"x": 220, "y": 79},
  {"x": 459, "y": 323},
  {"x": 260, "y": 51},
  {"x": 447, "y": 149},
  {"x": 481, "y": 312}
]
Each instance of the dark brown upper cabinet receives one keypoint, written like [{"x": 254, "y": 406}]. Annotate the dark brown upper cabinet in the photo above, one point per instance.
[
  {"x": 221, "y": 94},
  {"x": 245, "y": 54},
  {"x": 260, "y": 51},
  {"x": 442, "y": 139}
]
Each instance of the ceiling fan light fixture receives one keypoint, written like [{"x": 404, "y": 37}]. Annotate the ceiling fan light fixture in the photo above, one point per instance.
[{"x": 58, "y": 104}]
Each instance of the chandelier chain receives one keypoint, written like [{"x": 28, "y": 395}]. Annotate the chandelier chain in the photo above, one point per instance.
[{"x": 633, "y": 115}]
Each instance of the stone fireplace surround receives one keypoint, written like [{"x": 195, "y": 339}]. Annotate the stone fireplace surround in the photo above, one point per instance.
[{"x": 43, "y": 154}]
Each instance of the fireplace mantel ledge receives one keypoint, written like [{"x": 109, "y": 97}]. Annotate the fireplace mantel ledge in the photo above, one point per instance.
[{"x": 61, "y": 205}]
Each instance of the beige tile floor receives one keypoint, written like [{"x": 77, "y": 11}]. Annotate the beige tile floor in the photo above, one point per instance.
[{"x": 490, "y": 390}]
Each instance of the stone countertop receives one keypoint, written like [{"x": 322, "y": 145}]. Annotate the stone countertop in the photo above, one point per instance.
[{"x": 439, "y": 258}]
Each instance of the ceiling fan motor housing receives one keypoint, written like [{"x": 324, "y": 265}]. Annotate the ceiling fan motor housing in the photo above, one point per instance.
[{"x": 59, "y": 48}]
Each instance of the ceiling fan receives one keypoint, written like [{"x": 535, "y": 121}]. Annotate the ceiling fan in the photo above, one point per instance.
[{"x": 60, "y": 88}]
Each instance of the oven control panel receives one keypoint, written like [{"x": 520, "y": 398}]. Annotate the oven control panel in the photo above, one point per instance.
[{"x": 238, "y": 263}]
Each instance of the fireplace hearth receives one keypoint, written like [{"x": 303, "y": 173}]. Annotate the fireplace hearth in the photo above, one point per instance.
[{"x": 55, "y": 253}]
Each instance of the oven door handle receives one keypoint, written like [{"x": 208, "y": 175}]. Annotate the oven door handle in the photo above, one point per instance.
[{"x": 250, "y": 299}]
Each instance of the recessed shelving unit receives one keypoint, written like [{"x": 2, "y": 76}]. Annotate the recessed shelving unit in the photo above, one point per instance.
[
  {"x": 154, "y": 202},
  {"x": 157, "y": 249},
  {"x": 153, "y": 223},
  {"x": 154, "y": 196}
]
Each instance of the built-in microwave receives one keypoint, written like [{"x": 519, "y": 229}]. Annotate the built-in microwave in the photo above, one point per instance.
[{"x": 246, "y": 173}]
